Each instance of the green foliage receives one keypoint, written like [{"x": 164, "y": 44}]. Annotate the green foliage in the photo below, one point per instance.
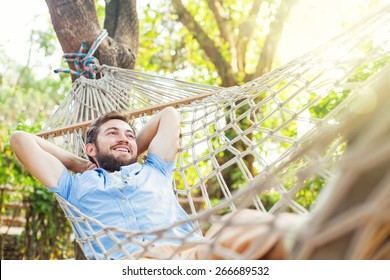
[
  {"x": 47, "y": 233},
  {"x": 100, "y": 8},
  {"x": 269, "y": 199},
  {"x": 307, "y": 195},
  {"x": 328, "y": 103},
  {"x": 168, "y": 48},
  {"x": 26, "y": 102},
  {"x": 366, "y": 70},
  {"x": 44, "y": 41}
]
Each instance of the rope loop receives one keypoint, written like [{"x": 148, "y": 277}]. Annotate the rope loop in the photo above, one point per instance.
[{"x": 85, "y": 63}]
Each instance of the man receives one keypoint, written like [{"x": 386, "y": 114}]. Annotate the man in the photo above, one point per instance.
[
  {"x": 117, "y": 191},
  {"x": 113, "y": 188}
]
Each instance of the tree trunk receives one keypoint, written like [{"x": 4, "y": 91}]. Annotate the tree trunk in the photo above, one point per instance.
[{"x": 77, "y": 21}]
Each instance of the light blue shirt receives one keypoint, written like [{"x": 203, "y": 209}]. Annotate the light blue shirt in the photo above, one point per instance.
[{"x": 146, "y": 201}]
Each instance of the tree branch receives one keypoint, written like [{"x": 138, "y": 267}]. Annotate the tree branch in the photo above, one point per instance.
[
  {"x": 121, "y": 22},
  {"x": 226, "y": 34},
  {"x": 218, "y": 12},
  {"x": 111, "y": 17},
  {"x": 266, "y": 58},
  {"x": 206, "y": 43},
  {"x": 246, "y": 30}
]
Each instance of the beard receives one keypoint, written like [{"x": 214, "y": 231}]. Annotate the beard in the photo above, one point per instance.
[{"x": 110, "y": 163}]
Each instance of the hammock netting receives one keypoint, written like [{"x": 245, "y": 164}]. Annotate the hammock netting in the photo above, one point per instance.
[{"x": 272, "y": 144}]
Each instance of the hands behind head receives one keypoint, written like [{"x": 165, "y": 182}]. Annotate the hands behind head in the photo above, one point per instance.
[
  {"x": 91, "y": 165},
  {"x": 81, "y": 165}
]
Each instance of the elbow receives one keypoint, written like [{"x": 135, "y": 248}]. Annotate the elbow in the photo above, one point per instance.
[
  {"x": 15, "y": 138},
  {"x": 172, "y": 117},
  {"x": 171, "y": 113}
]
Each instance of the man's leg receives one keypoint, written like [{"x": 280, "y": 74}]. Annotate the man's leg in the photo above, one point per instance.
[
  {"x": 243, "y": 234},
  {"x": 248, "y": 234}
]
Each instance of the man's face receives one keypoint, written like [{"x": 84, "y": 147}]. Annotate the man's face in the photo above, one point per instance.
[{"x": 116, "y": 146}]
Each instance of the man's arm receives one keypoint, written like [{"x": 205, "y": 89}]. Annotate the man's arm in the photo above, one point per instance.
[
  {"x": 161, "y": 135},
  {"x": 44, "y": 160}
]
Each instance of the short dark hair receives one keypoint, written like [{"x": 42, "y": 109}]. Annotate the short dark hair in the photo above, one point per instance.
[{"x": 93, "y": 130}]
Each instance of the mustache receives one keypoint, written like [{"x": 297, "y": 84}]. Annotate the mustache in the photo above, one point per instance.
[{"x": 110, "y": 163}]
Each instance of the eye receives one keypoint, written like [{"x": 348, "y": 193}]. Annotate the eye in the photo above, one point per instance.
[
  {"x": 130, "y": 136},
  {"x": 112, "y": 132}
]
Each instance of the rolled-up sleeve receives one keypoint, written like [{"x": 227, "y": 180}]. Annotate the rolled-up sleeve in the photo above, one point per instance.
[
  {"x": 166, "y": 168},
  {"x": 63, "y": 187}
]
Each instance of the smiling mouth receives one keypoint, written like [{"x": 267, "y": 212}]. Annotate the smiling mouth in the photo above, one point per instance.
[{"x": 122, "y": 150}]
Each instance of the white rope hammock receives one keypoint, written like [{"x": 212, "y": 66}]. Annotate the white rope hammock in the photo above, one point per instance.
[{"x": 247, "y": 146}]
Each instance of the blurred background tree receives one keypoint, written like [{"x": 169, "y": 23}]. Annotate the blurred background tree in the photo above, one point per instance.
[{"x": 236, "y": 41}]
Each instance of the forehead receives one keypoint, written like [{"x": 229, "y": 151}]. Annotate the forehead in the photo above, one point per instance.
[{"x": 115, "y": 123}]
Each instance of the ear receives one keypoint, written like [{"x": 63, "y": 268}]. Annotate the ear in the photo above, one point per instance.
[{"x": 90, "y": 149}]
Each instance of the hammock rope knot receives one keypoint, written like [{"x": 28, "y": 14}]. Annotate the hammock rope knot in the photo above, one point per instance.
[{"x": 85, "y": 64}]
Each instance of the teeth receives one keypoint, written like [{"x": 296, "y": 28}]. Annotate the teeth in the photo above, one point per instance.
[{"x": 122, "y": 150}]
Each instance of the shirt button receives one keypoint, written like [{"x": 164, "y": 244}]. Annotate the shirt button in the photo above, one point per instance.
[
  {"x": 131, "y": 218},
  {"x": 124, "y": 200}
]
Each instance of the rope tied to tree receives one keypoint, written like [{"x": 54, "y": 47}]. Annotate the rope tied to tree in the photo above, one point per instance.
[{"x": 85, "y": 63}]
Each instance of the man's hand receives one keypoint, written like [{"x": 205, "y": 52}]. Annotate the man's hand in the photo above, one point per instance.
[
  {"x": 81, "y": 165},
  {"x": 90, "y": 166}
]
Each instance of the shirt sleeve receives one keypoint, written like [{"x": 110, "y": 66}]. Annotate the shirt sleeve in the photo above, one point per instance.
[
  {"x": 63, "y": 187},
  {"x": 166, "y": 168}
]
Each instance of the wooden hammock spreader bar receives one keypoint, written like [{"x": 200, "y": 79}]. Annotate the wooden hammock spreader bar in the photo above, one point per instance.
[{"x": 148, "y": 110}]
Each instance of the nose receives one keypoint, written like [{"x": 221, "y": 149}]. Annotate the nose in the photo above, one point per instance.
[{"x": 123, "y": 138}]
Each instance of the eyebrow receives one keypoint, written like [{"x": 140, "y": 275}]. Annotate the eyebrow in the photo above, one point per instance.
[{"x": 115, "y": 128}]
